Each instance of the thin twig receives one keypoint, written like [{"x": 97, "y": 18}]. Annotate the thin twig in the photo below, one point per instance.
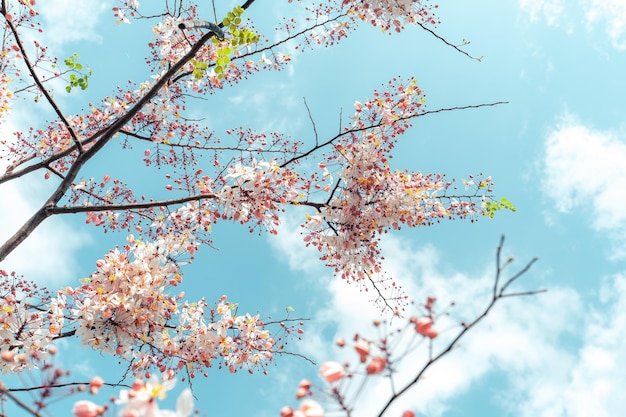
[
  {"x": 442, "y": 39},
  {"x": 311, "y": 119},
  {"x": 381, "y": 123},
  {"x": 19, "y": 402}
]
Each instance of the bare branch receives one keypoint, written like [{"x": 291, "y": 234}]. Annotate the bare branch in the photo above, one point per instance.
[
  {"x": 466, "y": 327},
  {"x": 20, "y": 403},
  {"x": 311, "y": 119},
  {"x": 442, "y": 39}
]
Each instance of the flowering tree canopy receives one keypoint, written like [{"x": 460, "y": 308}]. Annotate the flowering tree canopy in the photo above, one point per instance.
[{"x": 345, "y": 185}]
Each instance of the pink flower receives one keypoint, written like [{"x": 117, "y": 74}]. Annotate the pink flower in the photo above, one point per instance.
[
  {"x": 311, "y": 409},
  {"x": 362, "y": 347},
  {"x": 424, "y": 327},
  {"x": 408, "y": 413},
  {"x": 376, "y": 366},
  {"x": 332, "y": 371},
  {"x": 8, "y": 355},
  {"x": 286, "y": 412},
  {"x": 87, "y": 409},
  {"x": 95, "y": 384},
  {"x": 301, "y": 393}
]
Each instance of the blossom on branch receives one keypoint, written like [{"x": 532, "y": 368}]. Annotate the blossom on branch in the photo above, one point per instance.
[{"x": 369, "y": 198}]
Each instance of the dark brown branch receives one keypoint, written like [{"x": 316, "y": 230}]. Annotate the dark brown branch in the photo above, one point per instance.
[
  {"x": 442, "y": 39},
  {"x": 130, "y": 206},
  {"x": 20, "y": 403},
  {"x": 63, "y": 385}
]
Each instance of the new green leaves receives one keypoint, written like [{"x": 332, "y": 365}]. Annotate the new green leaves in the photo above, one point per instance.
[
  {"x": 240, "y": 37},
  {"x": 79, "y": 78},
  {"x": 492, "y": 206}
]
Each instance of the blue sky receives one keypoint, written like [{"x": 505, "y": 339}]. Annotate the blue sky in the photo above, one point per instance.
[{"x": 557, "y": 150}]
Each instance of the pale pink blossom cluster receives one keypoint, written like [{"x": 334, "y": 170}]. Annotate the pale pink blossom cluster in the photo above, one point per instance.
[
  {"x": 5, "y": 96},
  {"x": 26, "y": 330},
  {"x": 390, "y": 14},
  {"x": 126, "y": 8},
  {"x": 125, "y": 298},
  {"x": 170, "y": 40},
  {"x": 255, "y": 192},
  {"x": 141, "y": 400},
  {"x": 124, "y": 309},
  {"x": 370, "y": 198}
]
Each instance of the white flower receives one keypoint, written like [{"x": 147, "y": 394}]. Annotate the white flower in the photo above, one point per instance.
[{"x": 184, "y": 406}]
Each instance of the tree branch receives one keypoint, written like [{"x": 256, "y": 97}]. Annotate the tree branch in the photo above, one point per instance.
[
  {"x": 442, "y": 39},
  {"x": 467, "y": 327},
  {"x": 20, "y": 403},
  {"x": 105, "y": 135},
  {"x": 130, "y": 206},
  {"x": 411, "y": 116}
]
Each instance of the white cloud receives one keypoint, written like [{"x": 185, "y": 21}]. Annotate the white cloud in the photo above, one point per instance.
[
  {"x": 550, "y": 10},
  {"x": 607, "y": 14},
  {"x": 48, "y": 256},
  {"x": 610, "y": 14},
  {"x": 587, "y": 168},
  {"x": 592, "y": 381},
  {"x": 68, "y": 21}
]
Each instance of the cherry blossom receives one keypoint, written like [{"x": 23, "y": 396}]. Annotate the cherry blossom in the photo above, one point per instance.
[
  {"x": 140, "y": 400},
  {"x": 376, "y": 366},
  {"x": 125, "y": 306},
  {"x": 26, "y": 329},
  {"x": 85, "y": 408},
  {"x": 423, "y": 326},
  {"x": 392, "y": 14},
  {"x": 332, "y": 371}
]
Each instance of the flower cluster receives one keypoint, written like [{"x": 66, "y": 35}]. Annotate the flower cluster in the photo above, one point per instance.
[
  {"x": 5, "y": 95},
  {"x": 392, "y": 14},
  {"x": 140, "y": 400},
  {"x": 255, "y": 192},
  {"x": 128, "y": 7},
  {"x": 124, "y": 308},
  {"x": 369, "y": 197},
  {"x": 26, "y": 328}
]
